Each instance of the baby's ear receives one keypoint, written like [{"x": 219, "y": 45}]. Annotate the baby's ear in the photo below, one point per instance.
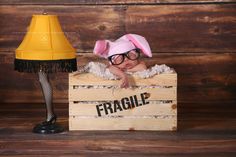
[
  {"x": 101, "y": 48},
  {"x": 140, "y": 42}
]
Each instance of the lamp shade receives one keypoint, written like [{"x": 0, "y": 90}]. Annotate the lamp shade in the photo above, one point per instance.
[{"x": 45, "y": 48}]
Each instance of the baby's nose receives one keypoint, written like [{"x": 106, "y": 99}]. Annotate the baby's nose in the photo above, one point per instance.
[
  {"x": 126, "y": 58},
  {"x": 126, "y": 61}
]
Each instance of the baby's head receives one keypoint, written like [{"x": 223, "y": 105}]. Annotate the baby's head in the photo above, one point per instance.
[{"x": 124, "y": 52}]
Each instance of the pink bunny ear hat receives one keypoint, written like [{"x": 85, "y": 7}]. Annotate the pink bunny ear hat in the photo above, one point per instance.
[{"x": 128, "y": 42}]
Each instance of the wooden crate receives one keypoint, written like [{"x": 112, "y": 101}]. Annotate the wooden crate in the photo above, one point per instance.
[{"x": 99, "y": 104}]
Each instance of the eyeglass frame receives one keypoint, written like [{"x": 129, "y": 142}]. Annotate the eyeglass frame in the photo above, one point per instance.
[{"x": 125, "y": 55}]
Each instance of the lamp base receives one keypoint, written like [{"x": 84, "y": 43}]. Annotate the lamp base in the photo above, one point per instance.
[{"x": 48, "y": 128}]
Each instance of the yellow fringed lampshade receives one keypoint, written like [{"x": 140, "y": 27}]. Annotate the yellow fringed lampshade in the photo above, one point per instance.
[{"x": 45, "y": 47}]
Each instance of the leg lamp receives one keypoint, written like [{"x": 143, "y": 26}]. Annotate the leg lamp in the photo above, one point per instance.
[
  {"x": 49, "y": 125},
  {"x": 45, "y": 50}
]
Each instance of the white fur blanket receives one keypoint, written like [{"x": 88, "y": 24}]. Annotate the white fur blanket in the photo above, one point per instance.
[{"x": 101, "y": 70}]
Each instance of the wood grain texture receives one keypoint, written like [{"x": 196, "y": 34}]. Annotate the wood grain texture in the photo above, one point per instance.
[
  {"x": 110, "y": 94},
  {"x": 208, "y": 76},
  {"x": 81, "y": 24},
  {"x": 168, "y": 28},
  {"x": 192, "y": 116},
  {"x": 188, "y": 29},
  {"x": 203, "y": 132},
  {"x": 78, "y": 78},
  {"x": 196, "y": 37},
  {"x": 125, "y": 123},
  {"x": 153, "y": 108},
  {"x": 108, "y": 2}
]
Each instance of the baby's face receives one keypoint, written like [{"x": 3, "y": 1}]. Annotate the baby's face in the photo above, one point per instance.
[{"x": 128, "y": 63}]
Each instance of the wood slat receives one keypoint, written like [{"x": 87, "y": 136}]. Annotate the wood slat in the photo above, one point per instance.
[
  {"x": 82, "y": 109},
  {"x": 157, "y": 80},
  {"x": 78, "y": 123},
  {"x": 117, "y": 94},
  {"x": 108, "y": 2},
  {"x": 168, "y": 28}
]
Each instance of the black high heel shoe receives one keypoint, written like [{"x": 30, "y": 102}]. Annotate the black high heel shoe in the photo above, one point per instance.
[
  {"x": 48, "y": 127},
  {"x": 52, "y": 121}
]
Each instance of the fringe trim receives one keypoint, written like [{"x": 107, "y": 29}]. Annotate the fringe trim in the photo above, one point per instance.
[{"x": 47, "y": 66}]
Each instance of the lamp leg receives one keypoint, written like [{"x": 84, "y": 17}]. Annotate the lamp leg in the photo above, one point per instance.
[
  {"x": 48, "y": 126},
  {"x": 47, "y": 93}
]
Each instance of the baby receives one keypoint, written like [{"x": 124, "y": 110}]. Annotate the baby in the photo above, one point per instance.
[{"x": 123, "y": 55}]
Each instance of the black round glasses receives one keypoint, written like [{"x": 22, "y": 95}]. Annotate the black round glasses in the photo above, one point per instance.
[{"x": 117, "y": 59}]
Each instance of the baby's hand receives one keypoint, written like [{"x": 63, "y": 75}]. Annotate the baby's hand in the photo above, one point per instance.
[
  {"x": 124, "y": 82},
  {"x": 123, "y": 77}
]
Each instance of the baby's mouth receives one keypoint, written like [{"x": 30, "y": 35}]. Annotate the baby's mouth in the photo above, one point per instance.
[{"x": 128, "y": 66}]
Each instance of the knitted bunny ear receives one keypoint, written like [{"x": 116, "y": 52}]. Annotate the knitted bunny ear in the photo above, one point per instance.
[
  {"x": 140, "y": 42},
  {"x": 101, "y": 48}
]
